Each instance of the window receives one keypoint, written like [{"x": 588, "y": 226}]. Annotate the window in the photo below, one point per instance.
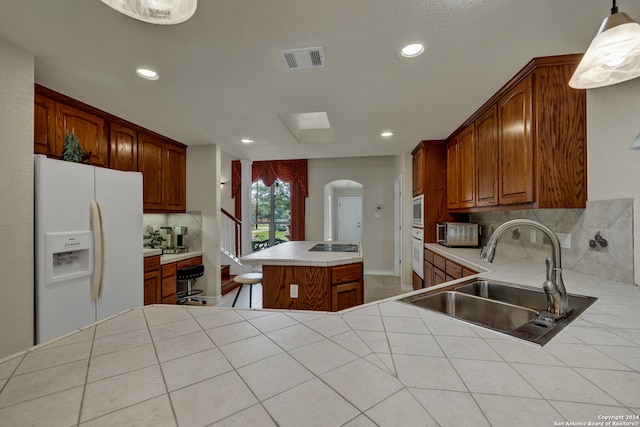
[{"x": 270, "y": 214}]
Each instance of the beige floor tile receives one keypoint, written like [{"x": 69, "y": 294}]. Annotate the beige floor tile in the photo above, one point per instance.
[
  {"x": 561, "y": 383},
  {"x": 113, "y": 393},
  {"x": 159, "y": 315},
  {"x": 362, "y": 383},
  {"x": 274, "y": 375},
  {"x": 311, "y": 404},
  {"x": 503, "y": 411},
  {"x": 586, "y": 412},
  {"x": 8, "y": 367},
  {"x": 121, "y": 361},
  {"x": 360, "y": 421},
  {"x": 250, "y": 350},
  {"x": 194, "y": 368},
  {"x": 363, "y": 323},
  {"x": 304, "y": 317},
  {"x": 83, "y": 335},
  {"x": 294, "y": 336},
  {"x": 56, "y": 409},
  {"x": 183, "y": 345},
  {"x": 254, "y": 416},
  {"x": 154, "y": 412},
  {"x": 48, "y": 357},
  {"x": 427, "y": 372},
  {"x": 405, "y": 324},
  {"x": 21, "y": 388},
  {"x": 231, "y": 333},
  {"x": 398, "y": 309},
  {"x": 376, "y": 341},
  {"x": 450, "y": 408},
  {"x": 322, "y": 356},
  {"x": 127, "y": 322},
  {"x": 211, "y": 400},
  {"x": 517, "y": 351},
  {"x": 401, "y": 409},
  {"x": 583, "y": 356}
]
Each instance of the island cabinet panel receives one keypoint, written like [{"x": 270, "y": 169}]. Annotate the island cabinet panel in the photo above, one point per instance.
[
  {"x": 319, "y": 288},
  {"x": 123, "y": 148}
]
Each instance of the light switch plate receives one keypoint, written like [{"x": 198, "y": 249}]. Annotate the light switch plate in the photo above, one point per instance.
[{"x": 293, "y": 291}]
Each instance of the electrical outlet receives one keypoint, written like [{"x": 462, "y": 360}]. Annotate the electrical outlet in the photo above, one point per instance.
[
  {"x": 293, "y": 291},
  {"x": 565, "y": 240},
  {"x": 533, "y": 236}
]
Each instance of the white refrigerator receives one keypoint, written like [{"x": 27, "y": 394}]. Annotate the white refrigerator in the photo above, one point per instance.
[{"x": 88, "y": 245}]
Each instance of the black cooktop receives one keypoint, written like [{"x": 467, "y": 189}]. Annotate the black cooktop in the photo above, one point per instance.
[{"x": 335, "y": 247}]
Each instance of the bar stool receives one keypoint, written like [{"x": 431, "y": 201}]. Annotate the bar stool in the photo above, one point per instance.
[
  {"x": 190, "y": 274},
  {"x": 246, "y": 279}
]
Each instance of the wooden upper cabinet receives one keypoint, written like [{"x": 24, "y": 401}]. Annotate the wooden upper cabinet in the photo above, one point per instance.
[
  {"x": 466, "y": 169},
  {"x": 123, "y": 147},
  {"x": 163, "y": 167},
  {"x": 174, "y": 178},
  {"x": 461, "y": 170},
  {"x": 418, "y": 173},
  {"x": 515, "y": 145},
  {"x": 486, "y": 138},
  {"x": 44, "y": 135},
  {"x": 89, "y": 128},
  {"x": 453, "y": 174},
  {"x": 151, "y": 154}
]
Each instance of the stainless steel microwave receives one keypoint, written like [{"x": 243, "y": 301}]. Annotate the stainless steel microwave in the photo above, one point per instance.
[{"x": 458, "y": 234}]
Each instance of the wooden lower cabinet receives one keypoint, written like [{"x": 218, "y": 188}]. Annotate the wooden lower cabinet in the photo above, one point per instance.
[
  {"x": 319, "y": 288},
  {"x": 438, "y": 269},
  {"x": 417, "y": 281},
  {"x": 152, "y": 280}
]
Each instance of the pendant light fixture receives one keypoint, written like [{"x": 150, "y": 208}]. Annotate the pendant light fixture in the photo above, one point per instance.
[
  {"x": 613, "y": 55},
  {"x": 162, "y": 12},
  {"x": 635, "y": 145}
]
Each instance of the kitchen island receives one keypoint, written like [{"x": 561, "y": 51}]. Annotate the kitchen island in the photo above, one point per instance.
[
  {"x": 384, "y": 363},
  {"x": 303, "y": 275}
]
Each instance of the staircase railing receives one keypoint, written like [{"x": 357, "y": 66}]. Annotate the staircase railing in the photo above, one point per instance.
[{"x": 230, "y": 234}]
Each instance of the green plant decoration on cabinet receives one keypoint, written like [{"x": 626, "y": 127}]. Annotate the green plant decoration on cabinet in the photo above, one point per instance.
[{"x": 71, "y": 151}]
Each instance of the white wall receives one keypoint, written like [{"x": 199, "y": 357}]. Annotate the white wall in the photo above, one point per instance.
[
  {"x": 613, "y": 121},
  {"x": 403, "y": 166},
  {"x": 16, "y": 203},
  {"x": 376, "y": 174},
  {"x": 203, "y": 194},
  {"x": 226, "y": 201}
]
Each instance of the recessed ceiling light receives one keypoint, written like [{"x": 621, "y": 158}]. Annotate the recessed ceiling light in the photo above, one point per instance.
[
  {"x": 386, "y": 134},
  {"x": 411, "y": 50},
  {"x": 147, "y": 73},
  {"x": 247, "y": 141}
]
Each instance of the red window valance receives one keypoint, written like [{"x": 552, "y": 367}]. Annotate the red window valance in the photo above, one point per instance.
[{"x": 291, "y": 171}]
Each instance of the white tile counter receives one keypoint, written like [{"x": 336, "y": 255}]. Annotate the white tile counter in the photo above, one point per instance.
[
  {"x": 384, "y": 363},
  {"x": 298, "y": 253}
]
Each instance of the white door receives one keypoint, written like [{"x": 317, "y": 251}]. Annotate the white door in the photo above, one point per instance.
[
  {"x": 120, "y": 194},
  {"x": 350, "y": 219}
]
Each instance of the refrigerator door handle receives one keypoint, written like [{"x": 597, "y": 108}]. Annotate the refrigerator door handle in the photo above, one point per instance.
[{"x": 99, "y": 249}]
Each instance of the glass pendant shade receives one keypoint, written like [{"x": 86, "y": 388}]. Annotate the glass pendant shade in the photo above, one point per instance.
[
  {"x": 163, "y": 12},
  {"x": 613, "y": 55},
  {"x": 635, "y": 145}
]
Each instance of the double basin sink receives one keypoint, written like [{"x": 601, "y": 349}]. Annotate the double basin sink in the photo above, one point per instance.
[{"x": 515, "y": 310}]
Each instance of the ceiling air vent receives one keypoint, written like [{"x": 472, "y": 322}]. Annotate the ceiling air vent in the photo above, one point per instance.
[{"x": 303, "y": 59}]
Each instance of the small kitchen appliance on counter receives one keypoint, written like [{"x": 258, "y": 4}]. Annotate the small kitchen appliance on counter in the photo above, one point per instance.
[{"x": 458, "y": 234}]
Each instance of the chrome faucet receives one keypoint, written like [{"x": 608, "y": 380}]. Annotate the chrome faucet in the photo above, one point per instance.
[{"x": 554, "y": 285}]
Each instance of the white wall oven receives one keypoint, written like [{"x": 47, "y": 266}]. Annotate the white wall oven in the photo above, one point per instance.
[
  {"x": 418, "y": 212},
  {"x": 417, "y": 251}
]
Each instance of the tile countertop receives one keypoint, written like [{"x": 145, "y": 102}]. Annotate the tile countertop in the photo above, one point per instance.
[
  {"x": 298, "y": 253},
  {"x": 169, "y": 258},
  {"x": 384, "y": 363}
]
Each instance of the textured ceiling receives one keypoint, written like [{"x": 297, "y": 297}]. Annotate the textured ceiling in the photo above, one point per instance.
[{"x": 221, "y": 78}]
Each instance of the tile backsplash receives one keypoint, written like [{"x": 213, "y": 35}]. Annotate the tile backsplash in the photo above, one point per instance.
[
  {"x": 192, "y": 220},
  {"x": 612, "y": 218}
]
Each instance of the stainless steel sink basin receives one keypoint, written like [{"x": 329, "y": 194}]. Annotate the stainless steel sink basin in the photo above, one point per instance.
[
  {"x": 493, "y": 314},
  {"x": 515, "y": 310}
]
